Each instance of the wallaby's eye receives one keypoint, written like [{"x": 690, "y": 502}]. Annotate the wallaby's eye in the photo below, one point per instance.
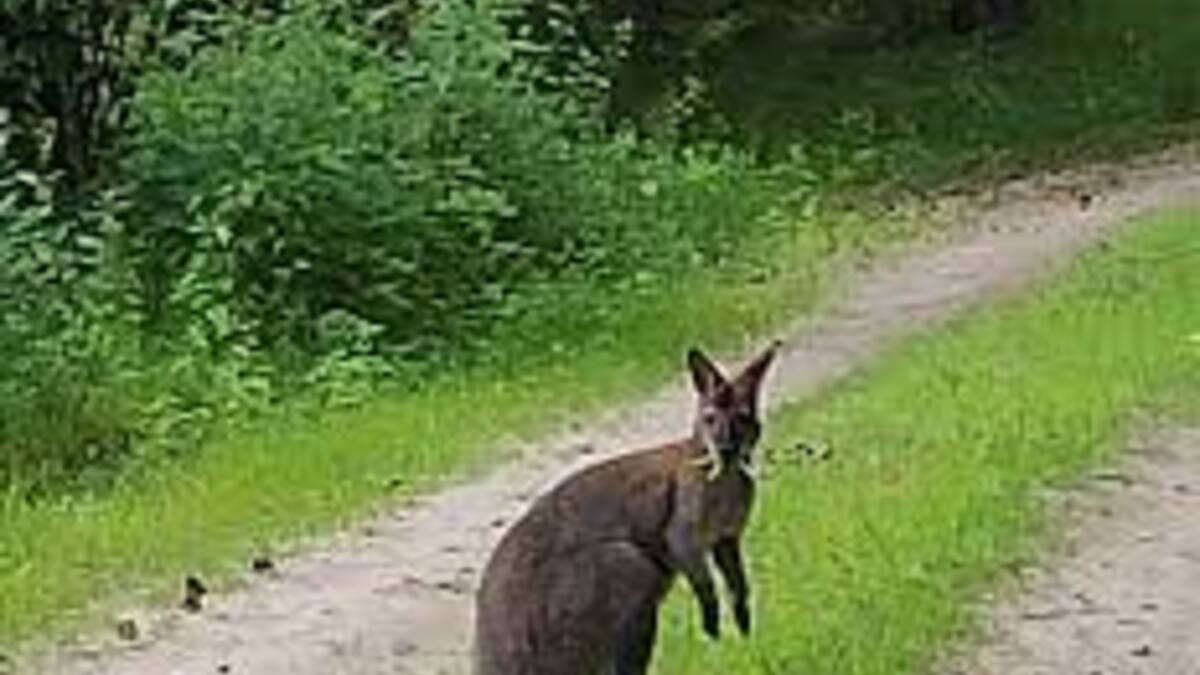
[{"x": 709, "y": 418}]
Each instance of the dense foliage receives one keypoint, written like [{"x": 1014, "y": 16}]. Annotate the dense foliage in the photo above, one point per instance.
[
  {"x": 304, "y": 174},
  {"x": 208, "y": 206},
  {"x": 294, "y": 199}
]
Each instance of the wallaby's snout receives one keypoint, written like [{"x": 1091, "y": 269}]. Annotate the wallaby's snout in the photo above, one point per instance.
[{"x": 574, "y": 586}]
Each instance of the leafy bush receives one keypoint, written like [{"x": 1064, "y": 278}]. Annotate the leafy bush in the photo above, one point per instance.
[
  {"x": 303, "y": 208},
  {"x": 298, "y": 173},
  {"x": 61, "y": 340}
]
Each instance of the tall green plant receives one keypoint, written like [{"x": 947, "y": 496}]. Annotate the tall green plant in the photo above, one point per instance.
[{"x": 63, "y": 339}]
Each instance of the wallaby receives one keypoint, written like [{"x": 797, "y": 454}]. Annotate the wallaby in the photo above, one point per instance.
[{"x": 574, "y": 586}]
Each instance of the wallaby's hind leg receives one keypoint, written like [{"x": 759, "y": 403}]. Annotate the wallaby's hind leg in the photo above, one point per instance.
[
  {"x": 596, "y": 601},
  {"x": 635, "y": 643}
]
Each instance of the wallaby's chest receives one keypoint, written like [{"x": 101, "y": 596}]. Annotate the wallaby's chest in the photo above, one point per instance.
[{"x": 725, "y": 504}]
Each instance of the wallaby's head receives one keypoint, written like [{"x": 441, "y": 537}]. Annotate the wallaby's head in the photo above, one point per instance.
[{"x": 727, "y": 424}]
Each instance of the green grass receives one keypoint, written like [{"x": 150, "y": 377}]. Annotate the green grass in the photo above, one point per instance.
[{"x": 865, "y": 565}]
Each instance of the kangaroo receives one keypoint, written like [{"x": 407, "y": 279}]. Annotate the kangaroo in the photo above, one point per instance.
[{"x": 573, "y": 588}]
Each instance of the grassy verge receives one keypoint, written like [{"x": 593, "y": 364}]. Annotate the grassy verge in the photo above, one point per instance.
[{"x": 865, "y": 564}]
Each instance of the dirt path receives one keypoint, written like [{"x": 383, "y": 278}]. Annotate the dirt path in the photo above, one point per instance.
[
  {"x": 1123, "y": 597},
  {"x": 395, "y": 596}
]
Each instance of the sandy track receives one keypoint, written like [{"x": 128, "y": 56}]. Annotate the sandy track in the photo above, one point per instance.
[
  {"x": 1123, "y": 596},
  {"x": 394, "y": 596}
]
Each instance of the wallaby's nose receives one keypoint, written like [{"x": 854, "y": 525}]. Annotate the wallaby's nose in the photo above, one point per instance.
[{"x": 733, "y": 448}]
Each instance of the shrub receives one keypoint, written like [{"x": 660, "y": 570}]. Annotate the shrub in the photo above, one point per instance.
[
  {"x": 296, "y": 172},
  {"x": 62, "y": 342},
  {"x": 301, "y": 204}
]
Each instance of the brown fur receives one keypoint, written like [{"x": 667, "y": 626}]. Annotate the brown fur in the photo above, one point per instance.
[{"x": 574, "y": 587}]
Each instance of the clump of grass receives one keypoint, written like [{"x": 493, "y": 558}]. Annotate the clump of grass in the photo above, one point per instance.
[{"x": 864, "y": 565}]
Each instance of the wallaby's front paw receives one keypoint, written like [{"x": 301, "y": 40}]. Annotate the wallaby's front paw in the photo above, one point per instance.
[{"x": 741, "y": 615}]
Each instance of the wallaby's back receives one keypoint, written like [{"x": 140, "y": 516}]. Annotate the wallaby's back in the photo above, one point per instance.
[{"x": 570, "y": 571}]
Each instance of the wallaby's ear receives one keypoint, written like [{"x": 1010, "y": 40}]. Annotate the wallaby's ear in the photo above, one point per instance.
[
  {"x": 705, "y": 374},
  {"x": 750, "y": 379}
]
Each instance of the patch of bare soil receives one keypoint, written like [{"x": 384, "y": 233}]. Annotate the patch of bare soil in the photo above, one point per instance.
[
  {"x": 1123, "y": 595},
  {"x": 394, "y": 596}
]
